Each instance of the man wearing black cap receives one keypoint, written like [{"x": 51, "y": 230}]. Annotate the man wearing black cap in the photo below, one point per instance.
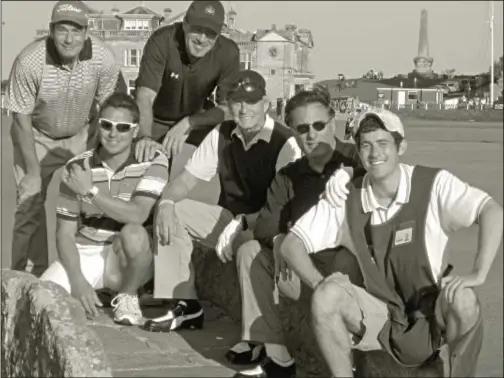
[
  {"x": 181, "y": 66},
  {"x": 245, "y": 153}
]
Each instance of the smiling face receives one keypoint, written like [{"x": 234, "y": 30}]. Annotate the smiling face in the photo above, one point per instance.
[
  {"x": 379, "y": 153},
  {"x": 113, "y": 141},
  {"x": 68, "y": 39},
  {"x": 199, "y": 41},
  {"x": 305, "y": 120},
  {"x": 248, "y": 115}
]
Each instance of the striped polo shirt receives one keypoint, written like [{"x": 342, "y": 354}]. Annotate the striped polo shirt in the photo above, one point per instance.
[
  {"x": 57, "y": 97},
  {"x": 132, "y": 179}
]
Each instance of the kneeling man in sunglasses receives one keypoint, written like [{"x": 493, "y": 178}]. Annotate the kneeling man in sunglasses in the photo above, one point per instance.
[{"x": 104, "y": 215}]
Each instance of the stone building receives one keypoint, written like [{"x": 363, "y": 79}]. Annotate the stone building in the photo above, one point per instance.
[{"x": 281, "y": 55}]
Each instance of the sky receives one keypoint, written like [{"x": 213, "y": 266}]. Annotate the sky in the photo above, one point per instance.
[{"x": 350, "y": 37}]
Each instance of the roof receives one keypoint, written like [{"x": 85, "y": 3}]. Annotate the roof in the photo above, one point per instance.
[
  {"x": 410, "y": 82},
  {"x": 140, "y": 9}
]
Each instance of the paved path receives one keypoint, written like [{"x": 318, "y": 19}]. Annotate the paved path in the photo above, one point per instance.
[{"x": 133, "y": 352}]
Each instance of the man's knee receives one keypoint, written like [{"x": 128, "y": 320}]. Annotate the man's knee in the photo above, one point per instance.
[
  {"x": 465, "y": 305},
  {"x": 134, "y": 240},
  {"x": 329, "y": 296}
]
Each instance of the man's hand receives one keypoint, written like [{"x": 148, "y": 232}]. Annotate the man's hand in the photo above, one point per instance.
[
  {"x": 79, "y": 179},
  {"x": 176, "y": 137},
  {"x": 224, "y": 246},
  {"x": 166, "y": 222},
  {"x": 84, "y": 292},
  {"x": 281, "y": 268},
  {"x": 145, "y": 149},
  {"x": 336, "y": 191},
  {"x": 29, "y": 186},
  {"x": 450, "y": 285}
]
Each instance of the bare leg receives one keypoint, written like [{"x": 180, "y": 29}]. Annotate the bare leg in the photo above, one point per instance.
[
  {"x": 336, "y": 314},
  {"x": 133, "y": 248}
]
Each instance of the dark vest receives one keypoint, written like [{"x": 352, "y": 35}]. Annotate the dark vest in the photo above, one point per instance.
[
  {"x": 246, "y": 175},
  {"x": 396, "y": 269}
]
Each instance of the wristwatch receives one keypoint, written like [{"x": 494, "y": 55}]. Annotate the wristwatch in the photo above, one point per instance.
[{"x": 91, "y": 194}]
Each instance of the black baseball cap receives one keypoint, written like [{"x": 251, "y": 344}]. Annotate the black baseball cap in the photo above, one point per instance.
[
  {"x": 206, "y": 14},
  {"x": 247, "y": 85}
]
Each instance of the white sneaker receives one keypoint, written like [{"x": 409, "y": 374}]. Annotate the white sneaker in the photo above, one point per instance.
[{"x": 126, "y": 309}]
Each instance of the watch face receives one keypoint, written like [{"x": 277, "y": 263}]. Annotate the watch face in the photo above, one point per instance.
[{"x": 273, "y": 51}]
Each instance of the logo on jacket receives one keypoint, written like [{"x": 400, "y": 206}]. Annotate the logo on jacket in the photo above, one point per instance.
[
  {"x": 174, "y": 75},
  {"x": 404, "y": 236}
]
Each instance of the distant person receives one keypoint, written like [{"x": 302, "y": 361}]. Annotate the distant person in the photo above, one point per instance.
[
  {"x": 104, "y": 215},
  {"x": 53, "y": 86},
  {"x": 262, "y": 272},
  {"x": 181, "y": 66},
  {"x": 399, "y": 218},
  {"x": 244, "y": 153}
]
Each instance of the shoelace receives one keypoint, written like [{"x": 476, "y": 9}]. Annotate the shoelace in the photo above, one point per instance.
[{"x": 125, "y": 302}]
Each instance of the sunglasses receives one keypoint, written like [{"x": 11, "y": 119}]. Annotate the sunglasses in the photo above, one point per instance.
[
  {"x": 304, "y": 128},
  {"x": 122, "y": 127},
  {"x": 246, "y": 85}
]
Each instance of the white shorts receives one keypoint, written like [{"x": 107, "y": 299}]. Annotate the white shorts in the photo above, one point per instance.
[{"x": 99, "y": 264}]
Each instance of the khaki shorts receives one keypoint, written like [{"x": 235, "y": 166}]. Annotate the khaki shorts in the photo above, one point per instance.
[{"x": 375, "y": 315}]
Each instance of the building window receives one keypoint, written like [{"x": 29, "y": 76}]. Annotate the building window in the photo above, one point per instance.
[
  {"x": 413, "y": 95},
  {"x": 136, "y": 24},
  {"x": 245, "y": 61},
  {"x": 91, "y": 24},
  {"x": 132, "y": 57},
  {"x": 272, "y": 71}
]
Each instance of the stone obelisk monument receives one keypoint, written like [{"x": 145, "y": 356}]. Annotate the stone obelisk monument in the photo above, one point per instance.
[{"x": 423, "y": 61}]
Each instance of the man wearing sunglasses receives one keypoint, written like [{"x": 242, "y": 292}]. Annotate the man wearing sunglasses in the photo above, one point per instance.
[
  {"x": 262, "y": 272},
  {"x": 54, "y": 84},
  {"x": 104, "y": 215},
  {"x": 182, "y": 64},
  {"x": 245, "y": 153}
]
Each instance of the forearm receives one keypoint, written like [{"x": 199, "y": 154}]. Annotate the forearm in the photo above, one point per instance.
[
  {"x": 68, "y": 255},
  {"x": 489, "y": 238},
  {"x": 179, "y": 188},
  {"x": 297, "y": 258},
  {"x": 208, "y": 119},
  {"x": 22, "y": 136},
  {"x": 121, "y": 211},
  {"x": 145, "y": 100}
]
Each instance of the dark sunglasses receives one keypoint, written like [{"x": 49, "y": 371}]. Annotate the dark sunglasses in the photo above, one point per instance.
[
  {"x": 122, "y": 127},
  {"x": 304, "y": 128}
]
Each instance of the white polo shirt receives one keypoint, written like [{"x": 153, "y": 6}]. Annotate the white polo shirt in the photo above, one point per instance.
[
  {"x": 453, "y": 205},
  {"x": 204, "y": 162}
]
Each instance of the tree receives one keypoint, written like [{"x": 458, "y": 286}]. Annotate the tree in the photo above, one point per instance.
[
  {"x": 498, "y": 67},
  {"x": 449, "y": 72}
]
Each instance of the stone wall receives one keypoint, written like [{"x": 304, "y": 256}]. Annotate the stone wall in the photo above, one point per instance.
[{"x": 44, "y": 332}]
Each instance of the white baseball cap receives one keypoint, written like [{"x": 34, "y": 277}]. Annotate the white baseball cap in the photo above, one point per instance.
[{"x": 390, "y": 121}]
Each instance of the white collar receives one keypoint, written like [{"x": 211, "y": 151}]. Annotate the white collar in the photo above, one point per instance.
[{"x": 368, "y": 199}]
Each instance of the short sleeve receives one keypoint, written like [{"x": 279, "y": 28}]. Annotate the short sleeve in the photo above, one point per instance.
[
  {"x": 154, "y": 179},
  {"x": 68, "y": 205},
  {"x": 152, "y": 65},
  {"x": 290, "y": 152},
  {"x": 109, "y": 75},
  {"x": 205, "y": 160},
  {"x": 459, "y": 204},
  {"x": 22, "y": 88},
  {"x": 321, "y": 227}
]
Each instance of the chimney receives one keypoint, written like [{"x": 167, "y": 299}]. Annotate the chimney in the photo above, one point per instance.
[
  {"x": 167, "y": 14},
  {"x": 290, "y": 27},
  {"x": 273, "y": 27},
  {"x": 231, "y": 18},
  {"x": 115, "y": 11}
]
